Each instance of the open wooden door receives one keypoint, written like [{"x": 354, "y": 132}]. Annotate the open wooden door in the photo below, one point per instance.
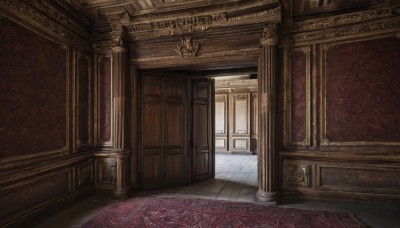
[
  {"x": 163, "y": 151},
  {"x": 203, "y": 160}
]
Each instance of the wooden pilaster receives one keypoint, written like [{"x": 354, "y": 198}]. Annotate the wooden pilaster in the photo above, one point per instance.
[{"x": 267, "y": 87}]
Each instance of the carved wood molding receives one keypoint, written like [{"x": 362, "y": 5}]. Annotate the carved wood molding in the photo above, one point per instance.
[
  {"x": 187, "y": 48},
  {"x": 343, "y": 26},
  {"x": 270, "y": 35},
  {"x": 302, "y": 7},
  {"x": 296, "y": 174},
  {"x": 50, "y": 19},
  {"x": 343, "y": 19},
  {"x": 187, "y": 25}
]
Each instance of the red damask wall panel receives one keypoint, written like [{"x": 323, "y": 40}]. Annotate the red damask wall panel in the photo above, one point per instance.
[
  {"x": 298, "y": 98},
  {"x": 363, "y": 91},
  {"x": 83, "y": 134},
  {"x": 105, "y": 99},
  {"x": 32, "y": 92}
]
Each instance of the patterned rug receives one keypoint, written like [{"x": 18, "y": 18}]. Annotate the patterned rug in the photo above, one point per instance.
[{"x": 194, "y": 212}]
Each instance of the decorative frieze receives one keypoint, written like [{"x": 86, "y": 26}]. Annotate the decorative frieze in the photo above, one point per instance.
[
  {"x": 187, "y": 25},
  {"x": 339, "y": 20},
  {"x": 390, "y": 23},
  {"x": 179, "y": 24},
  {"x": 187, "y": 47},
  {"x": 50, "y": 19}
]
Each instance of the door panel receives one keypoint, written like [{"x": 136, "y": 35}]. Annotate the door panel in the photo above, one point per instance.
[
  {"x": 152, "y": 136},
  {"x": 203, "y": 129},
  {"x": 173, "y": 126},
  {"x": 221, "y": 118},
  {"x": 240, "y": 121},
  {"x": 164, "y": 127},
  {"x": 152, "y": 166}
]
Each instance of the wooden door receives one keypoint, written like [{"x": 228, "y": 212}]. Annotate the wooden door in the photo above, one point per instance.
[
  {"x": 202, "y": 129},
  {"x": 164, "y": 132}
]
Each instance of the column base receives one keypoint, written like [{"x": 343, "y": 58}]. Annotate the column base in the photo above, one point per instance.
[
  {"x": 122, "y": 193},
  {"x": 268, "y": 197}
]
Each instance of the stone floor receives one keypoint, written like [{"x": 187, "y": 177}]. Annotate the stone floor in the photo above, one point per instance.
[{"x": 235, "y": 179}]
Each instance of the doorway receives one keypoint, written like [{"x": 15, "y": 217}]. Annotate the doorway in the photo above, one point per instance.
[
  {"x": 176, "y": 132},
  {"x": 236, "y": 115}
]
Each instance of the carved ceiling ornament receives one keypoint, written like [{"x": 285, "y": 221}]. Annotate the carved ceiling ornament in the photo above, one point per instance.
[
  {"x": 270, "y": 35},
  {"x": 187, "y": 47}
]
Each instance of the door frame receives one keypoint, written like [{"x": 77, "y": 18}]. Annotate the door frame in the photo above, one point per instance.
[{"x": 136, "y": 135}]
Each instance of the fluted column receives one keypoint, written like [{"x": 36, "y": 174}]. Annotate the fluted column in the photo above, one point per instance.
[
  {"x": 267, "y": 134},
  {"x": 121, "y": 125}
]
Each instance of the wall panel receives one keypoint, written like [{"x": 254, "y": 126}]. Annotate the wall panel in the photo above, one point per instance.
[
  {"x": 33, "y": 92},
  {"x": 298, "y": 95},
  {"x": 361, "y": 91},
  {"x": 105, "y": 99}
]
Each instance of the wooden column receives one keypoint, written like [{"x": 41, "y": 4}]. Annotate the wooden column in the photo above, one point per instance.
[
  {"x": 121, "y": 147},
  {"x": 267, "y": 87}
]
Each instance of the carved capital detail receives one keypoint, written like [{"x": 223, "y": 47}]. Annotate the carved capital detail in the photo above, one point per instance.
[
  {"x": 187, "y": 48},
  {"x": 270, "y": 35}
]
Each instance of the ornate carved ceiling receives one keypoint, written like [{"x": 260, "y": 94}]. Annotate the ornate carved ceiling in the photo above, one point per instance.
[
  {"x": 144, "y": 19},
  {"x": 98, "y": 10}
]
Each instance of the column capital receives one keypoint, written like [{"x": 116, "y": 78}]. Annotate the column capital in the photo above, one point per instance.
[
  {"x": 270, "y": 34},
  {"x": 119, "y": 37},
  {"x": 119, "y": 43}
]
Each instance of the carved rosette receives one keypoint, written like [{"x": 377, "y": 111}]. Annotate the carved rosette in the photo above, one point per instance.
[
  {"x": 187, "y": 48},
  {"x": 297, "y": 174},
  {"x": 270, "y": 35}
]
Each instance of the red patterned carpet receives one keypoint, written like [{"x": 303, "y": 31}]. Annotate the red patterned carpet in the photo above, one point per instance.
[{"x": 194, "y": 212}]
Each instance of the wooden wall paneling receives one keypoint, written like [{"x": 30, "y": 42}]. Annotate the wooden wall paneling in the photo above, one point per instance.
[
  {"x": 103, "y": 113},
  {"x": 376, "y": 178},
  {"x": 239, "y": 122},
  {"x": 83, "y": 102},
  {"x": 221, "y": 123},
  {"x": 106, "y": 173},
  {"x": 24, "y": 199},
  {"x": 360, "y": 94},
  {"x": 39, "y": 70},
  {"x": 85, "y": 174},
  {"x": 215, "y": 52},
  {"x": 298, "y": 97}
]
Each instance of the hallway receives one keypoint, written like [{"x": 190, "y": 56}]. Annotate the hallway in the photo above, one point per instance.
[{"x": 235, "y": 181}]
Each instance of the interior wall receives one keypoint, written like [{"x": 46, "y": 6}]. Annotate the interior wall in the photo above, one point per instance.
[
  {"x": 341, "y": 127},
  {"x": 46, "y": 116}
]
